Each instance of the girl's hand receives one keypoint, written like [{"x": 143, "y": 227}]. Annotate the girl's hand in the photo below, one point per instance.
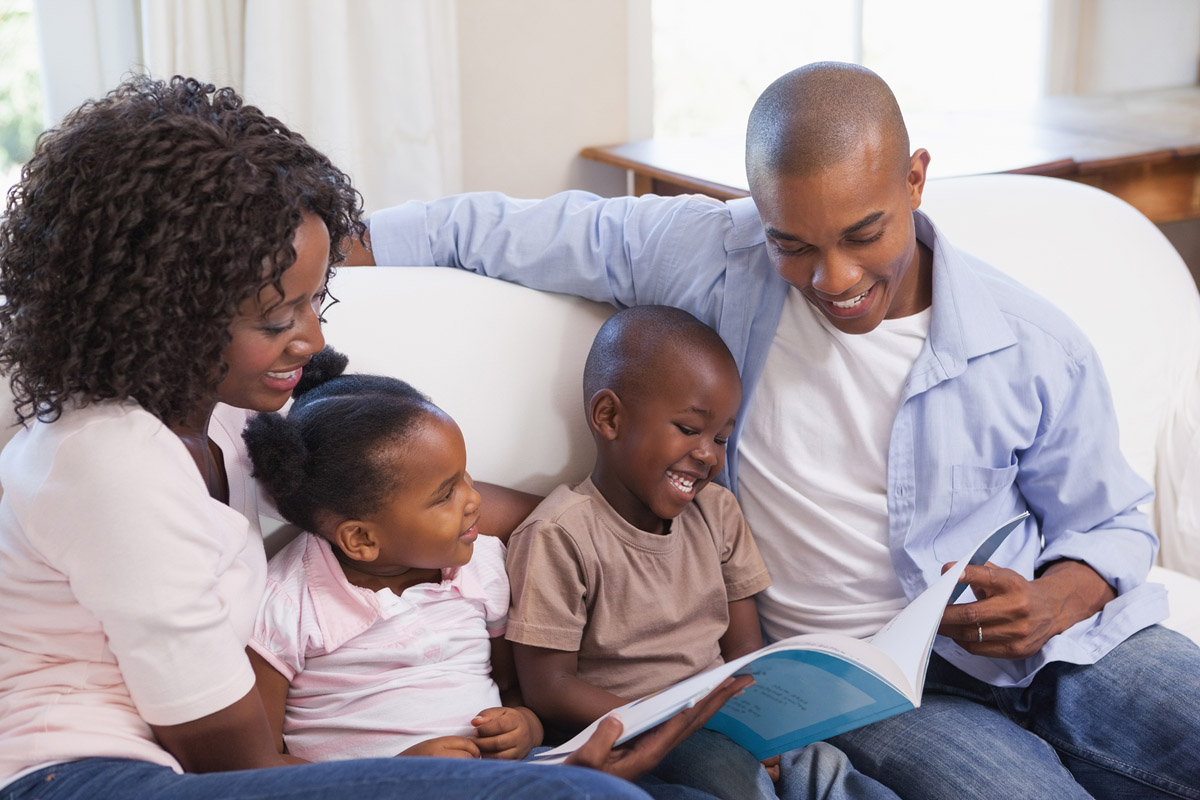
[
  {"x": 772, "y": 766},
  {"x": 444, "y": 747},
  {"x": 507, "y": 732}
]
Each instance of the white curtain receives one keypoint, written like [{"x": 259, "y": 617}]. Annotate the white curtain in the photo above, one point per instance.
[{"x": 372, "y": 83}]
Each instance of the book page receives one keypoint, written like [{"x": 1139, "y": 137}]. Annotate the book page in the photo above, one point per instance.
[{"x": 907, "y": 639}]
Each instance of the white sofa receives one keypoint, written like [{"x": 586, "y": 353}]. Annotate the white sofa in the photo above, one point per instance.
[{"x": 506, "y": 362}]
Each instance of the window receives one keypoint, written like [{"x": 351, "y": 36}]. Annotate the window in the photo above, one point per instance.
[
  {"x": 20, "y": 92},
  {"x": 713, "y": 58}
]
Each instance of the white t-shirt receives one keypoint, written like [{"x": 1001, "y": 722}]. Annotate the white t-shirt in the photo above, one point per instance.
[
  {"x": 127, "y": 594},
  {"x": 813, "y": 474},
  {"x": 373, "y": 673}
]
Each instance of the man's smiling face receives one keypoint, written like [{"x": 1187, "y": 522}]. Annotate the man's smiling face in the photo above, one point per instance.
[{"x": 844, "y": 237}]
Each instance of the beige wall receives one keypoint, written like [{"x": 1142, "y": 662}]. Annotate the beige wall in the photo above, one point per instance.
[{"x": 542, "y": 79}]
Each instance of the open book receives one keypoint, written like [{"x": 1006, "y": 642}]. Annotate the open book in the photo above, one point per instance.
[{"x": 813, "y": 686}]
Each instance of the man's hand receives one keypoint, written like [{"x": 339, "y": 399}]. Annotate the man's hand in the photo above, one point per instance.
[
  {"x": 638, "y": 756},
  {"x": 445, "y": 747},
  {"x": 507, "y": 732},
  {"x": 1013, "y": 617}
]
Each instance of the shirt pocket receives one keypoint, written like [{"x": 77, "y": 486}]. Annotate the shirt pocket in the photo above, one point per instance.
[{"x": 980, "y": 499}]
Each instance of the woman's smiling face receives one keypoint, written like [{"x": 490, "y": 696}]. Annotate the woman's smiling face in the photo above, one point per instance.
[{"x": 275, "y": 336}]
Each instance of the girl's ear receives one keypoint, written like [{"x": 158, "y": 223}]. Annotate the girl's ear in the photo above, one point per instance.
[
  {"x": 605, "y": 414},
  {"x": 357, "y": 540}
]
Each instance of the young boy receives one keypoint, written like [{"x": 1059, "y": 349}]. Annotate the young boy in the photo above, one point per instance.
[{"x": 645, "y": 573}]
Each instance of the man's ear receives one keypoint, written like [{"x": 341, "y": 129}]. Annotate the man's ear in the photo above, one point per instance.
[
  {"x": 605, "y": 414},
  {"x": 357, "y": 540},
  {"x": 918, "y": 166}
]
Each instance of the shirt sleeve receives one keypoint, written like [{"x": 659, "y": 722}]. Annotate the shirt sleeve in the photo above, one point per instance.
[
  {"x": 487, "y": 562},
  {"x": 278, "y": 634},
  {"x": 125, "y": 516},
  {"x": 624, "y": 251},
  {"x": 1080, "y": 486},
  {"x": 742, "y": 567},
  {"x": 549, "y": 588}
]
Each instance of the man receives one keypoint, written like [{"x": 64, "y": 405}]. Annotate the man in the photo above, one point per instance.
[{"x": 901, "y": 397}]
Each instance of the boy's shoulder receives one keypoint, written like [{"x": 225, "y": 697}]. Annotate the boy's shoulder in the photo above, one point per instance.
[{"x": 567, "y": 505}]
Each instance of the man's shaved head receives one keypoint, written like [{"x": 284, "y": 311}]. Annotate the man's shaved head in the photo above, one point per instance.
[
  {"x": 637, "y": 348},
  {"x": 819, "y": 115}
]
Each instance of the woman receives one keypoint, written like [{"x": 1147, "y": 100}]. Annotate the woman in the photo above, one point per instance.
[{"x": 164, "y": 262}]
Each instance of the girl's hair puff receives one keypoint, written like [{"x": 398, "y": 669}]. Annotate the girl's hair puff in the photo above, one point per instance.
[
  {"x": 139, "y": 225},
  {"x": 333, "y": 455}
]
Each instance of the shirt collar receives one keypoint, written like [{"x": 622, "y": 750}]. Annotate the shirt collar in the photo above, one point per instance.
[{"x": 966, "y": 321}]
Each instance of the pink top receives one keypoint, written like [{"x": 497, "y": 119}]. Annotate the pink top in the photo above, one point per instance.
[
  {"x": 127, "y": 594},
  {"x": 371, "y": 673}
]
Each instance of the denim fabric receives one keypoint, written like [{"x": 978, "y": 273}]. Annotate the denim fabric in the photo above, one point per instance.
[
  {"x": 713, "y": 763},
  {"x": 1127, "y": 726},
  {"x": 822, "y": 772},
  {"x": 390, "y": 778}
]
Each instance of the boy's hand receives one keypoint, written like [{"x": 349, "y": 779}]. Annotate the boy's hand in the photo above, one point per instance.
[
  {"x": 771, "y": 765},
  {"x": 445, "y": 747},
  {"x": 507, "y": 732}
]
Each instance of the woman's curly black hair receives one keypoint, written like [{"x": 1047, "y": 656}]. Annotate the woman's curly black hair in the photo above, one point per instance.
[
  {"x": 138, "y": 227},
  {"x": 333, "y": 454}
]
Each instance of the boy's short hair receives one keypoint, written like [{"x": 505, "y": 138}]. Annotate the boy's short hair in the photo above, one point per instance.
[{"x": 635, "y": 347}]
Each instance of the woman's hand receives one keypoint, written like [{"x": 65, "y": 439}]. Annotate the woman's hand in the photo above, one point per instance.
[
  {"x": 445, "y": 747},
  {"x": 638, "y": 756},
  {"x": 1014, "y": 617},
  {"x": 507, "y": 732}
]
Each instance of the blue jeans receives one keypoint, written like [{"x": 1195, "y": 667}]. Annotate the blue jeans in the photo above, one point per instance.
[
  {"x": 1127, "y": 726},
  {"x": 366, "y": 779},
  {"x": 713, "y": 763}
]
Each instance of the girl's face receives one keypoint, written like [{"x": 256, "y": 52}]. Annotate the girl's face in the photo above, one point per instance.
[
  {"x": 274, "y": 336},
  {"x": 431, "y": 522}
]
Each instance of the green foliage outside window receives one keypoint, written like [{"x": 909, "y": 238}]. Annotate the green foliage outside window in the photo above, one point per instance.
[{"x": 20, "y": 92}]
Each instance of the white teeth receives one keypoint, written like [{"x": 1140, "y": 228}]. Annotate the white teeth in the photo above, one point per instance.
[
  {"x": 283, "y": 376},
  {"x": 852, "y": 302},
  {"x": 681, "y": 482}
]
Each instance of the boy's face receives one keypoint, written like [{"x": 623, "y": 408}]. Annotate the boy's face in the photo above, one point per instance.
[
  {"x": 671, "y": 443},
  {"x": 844, "y": 237}
]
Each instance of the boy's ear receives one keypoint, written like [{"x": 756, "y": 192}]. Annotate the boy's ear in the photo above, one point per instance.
[
  {"x": 356, "y": 539},
  {"x": 605, "y": 414}
]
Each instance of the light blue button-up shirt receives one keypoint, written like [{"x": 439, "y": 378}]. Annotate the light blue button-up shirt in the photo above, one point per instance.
[{"x": 1006, "y": 407}]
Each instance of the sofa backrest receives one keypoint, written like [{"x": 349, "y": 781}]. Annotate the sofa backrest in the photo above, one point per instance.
[{"x": 504, "y": 361}]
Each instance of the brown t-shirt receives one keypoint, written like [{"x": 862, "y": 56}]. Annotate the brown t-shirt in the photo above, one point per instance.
[{"x": 642, "y": 610}]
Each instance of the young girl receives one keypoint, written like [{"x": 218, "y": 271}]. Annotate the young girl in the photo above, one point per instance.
[{"x": 382, "y": 627}]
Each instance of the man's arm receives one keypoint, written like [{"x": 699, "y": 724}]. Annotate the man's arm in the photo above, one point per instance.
[
  {"x": 1085, "y": 497},
  {"x": 624, "y": 251},
  {"x": 1015, "y": 617}
]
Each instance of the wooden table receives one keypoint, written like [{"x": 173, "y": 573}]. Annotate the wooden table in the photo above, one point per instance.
[{"x": 1143, "y": 147}]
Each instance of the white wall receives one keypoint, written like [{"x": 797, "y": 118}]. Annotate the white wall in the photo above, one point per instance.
[
  {"x": 541, "y": 80},
  {"x": 1102, "y": 46}
]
